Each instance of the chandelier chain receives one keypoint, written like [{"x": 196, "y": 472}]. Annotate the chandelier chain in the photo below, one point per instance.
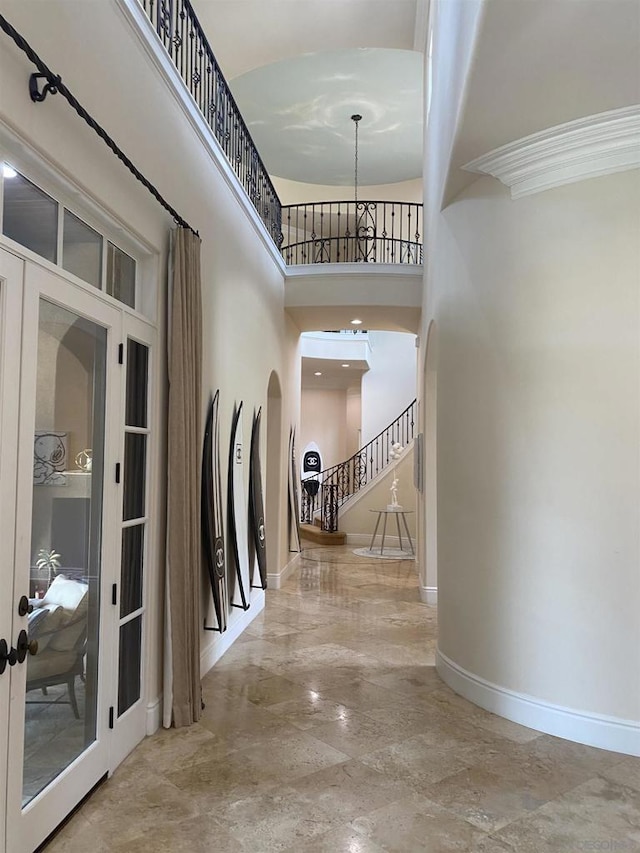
[{"x": 356, "y": 118}]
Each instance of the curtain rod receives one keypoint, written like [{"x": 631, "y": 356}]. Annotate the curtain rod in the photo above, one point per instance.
[{"x": 54, "y": 85}]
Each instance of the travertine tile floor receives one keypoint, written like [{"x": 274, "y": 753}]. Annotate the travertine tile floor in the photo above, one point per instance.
[{"x": 327, "y": 730}]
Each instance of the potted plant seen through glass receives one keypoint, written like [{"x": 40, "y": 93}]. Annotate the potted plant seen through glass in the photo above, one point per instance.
[{"x": 49, "y": 560}]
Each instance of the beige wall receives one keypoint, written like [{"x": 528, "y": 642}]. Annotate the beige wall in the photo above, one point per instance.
[
  {"x": 323, "y": 419},
  {"x": 536, "y": 303},
  {"x": 357, "y": 517},
  {"x": 353, "y": 420},
  {"x": 246, "y": 334},
  {"x": 296, "y": 192}
]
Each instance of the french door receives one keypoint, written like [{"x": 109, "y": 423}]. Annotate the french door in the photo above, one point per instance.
[{"x": 63, "y": 384}]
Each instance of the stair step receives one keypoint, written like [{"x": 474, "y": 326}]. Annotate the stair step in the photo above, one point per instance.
[{"x": 315, "y": 534}]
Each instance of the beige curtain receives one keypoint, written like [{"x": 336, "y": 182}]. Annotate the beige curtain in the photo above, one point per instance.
[{"x": 182, "y": 696}]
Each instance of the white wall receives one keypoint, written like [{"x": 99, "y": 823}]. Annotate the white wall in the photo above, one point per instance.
[
  {"x": 390, "y": 384},
  {"x": 453, "y": 30},
  {"x": 335, "y": 347},
  {"x": 536, "y": 302}
]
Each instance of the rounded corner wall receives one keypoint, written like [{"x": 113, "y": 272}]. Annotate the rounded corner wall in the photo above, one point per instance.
[{"x": 537, "y": 307}]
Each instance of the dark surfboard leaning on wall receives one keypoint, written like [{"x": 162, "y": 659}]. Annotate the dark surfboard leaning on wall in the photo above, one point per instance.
[
  {"x": 212, "y": 516},
  {"x": 256, "y": 506}
]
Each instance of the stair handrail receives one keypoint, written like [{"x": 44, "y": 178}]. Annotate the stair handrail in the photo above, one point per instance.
[{"x": 340, "y": 482}]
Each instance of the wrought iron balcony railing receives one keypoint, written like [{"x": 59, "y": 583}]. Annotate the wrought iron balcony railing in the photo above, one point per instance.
[
  {"x": 184, "y": 40},
  {"x": 383, "y": 232},
  {"x": 324, "y": 232},
  {"x": 342, "y": 481}
]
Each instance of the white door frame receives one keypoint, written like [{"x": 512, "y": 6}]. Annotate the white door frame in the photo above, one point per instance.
[{"x": 11, "y": 276}]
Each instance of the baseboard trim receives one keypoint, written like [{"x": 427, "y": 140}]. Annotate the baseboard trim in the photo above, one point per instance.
[
  {"x": 597, "y": 730},
  {"x": 154, "y": 714},
  {"x": 239, "y": 620},
  {"x": 276, "y": 579},
  {"x": 429, "y": 595}
]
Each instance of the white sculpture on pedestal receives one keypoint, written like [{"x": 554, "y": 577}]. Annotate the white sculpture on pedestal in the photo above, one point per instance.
[{"x": 394, "y": 455}]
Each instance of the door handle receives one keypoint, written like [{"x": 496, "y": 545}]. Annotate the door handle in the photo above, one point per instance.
[
  {"x": 24, "y": 646},
  {"x": 24, "y": 607},
  {"x": 6, "y": 656}
]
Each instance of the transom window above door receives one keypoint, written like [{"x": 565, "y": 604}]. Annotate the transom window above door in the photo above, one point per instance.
[{"x": 39, "y": 222}]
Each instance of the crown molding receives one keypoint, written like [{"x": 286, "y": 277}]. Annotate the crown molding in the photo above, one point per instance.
[{"x": 586, "y": 148}]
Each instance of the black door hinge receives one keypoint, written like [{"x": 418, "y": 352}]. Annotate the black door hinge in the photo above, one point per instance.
[
  {"x": 117, "y": 472},
  {"x": 120, "y": 353},
  {"x": 111, "y": 717},
  {"x": 114, "y": 593}
]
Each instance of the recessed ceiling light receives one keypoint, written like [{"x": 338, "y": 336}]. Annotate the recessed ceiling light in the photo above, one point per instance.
[
  {"x": 318, "y": 373},
  {"x": 8, "y": 171},
  {"x": 356, "y": 322},
  {"x": 346, "y": 365}
]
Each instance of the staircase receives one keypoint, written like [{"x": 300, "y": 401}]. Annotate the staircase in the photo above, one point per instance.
[
  {"x": 315, "y": 533},
  {"x": 343, "y": 481}
]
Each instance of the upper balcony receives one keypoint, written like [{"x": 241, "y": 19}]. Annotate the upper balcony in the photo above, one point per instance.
[
  {"x": 385, "y": 232},
  {"x": 334, "y": 232}
]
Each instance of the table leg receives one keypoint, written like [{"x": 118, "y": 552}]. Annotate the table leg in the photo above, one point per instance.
[
  {"x": 384, "y": 532},
  {"x": 406, "y": 527},
  {"x": 398, "y": 526},
  {"x": 373, "y": 538}
]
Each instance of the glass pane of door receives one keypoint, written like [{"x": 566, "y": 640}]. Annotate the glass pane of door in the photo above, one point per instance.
[
  {"x": 134, "y": 524},
  {"x": 131, "y": 569},
  {"x": 129, "y": 664},
  {"x": 68, "y": 452},
  {"x": 137, "y": 369}
]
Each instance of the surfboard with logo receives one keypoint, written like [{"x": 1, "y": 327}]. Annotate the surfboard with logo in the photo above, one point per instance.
[
  {"x": 311, "y": 478},
  {"x": 294, "y": 505},
  {"x": 212, "y": 516},
  {"x": 256, "y": 507},
  {"x": 239, "y": 579}
]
